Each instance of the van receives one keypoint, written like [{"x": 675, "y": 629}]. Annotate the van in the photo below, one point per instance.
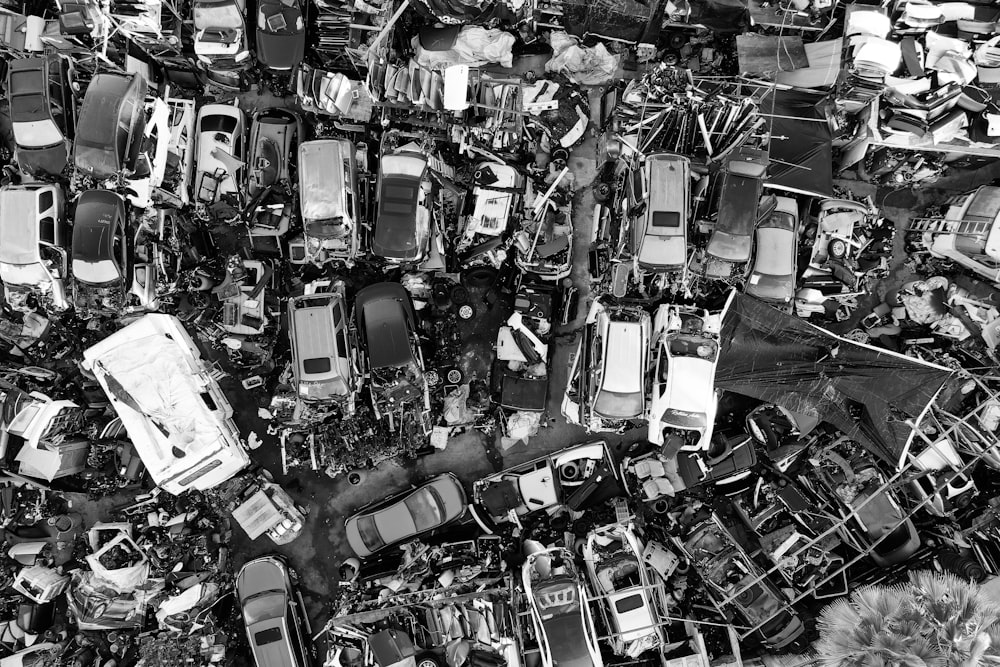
[
  {"x": 328, "y": 200},
  {"x": 323, "y": 360},
  {"x": 659, "y": 229},
  {"x": 174, "y": 411},
  {"x": 33, "y": 239}
]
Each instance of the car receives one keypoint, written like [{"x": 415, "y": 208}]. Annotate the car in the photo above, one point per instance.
[
  {"x": 496, "y": 197},
  {"x": 607, "y": 380},
  {"x": 742, "y": 181},
  {"x": 772, "y": 272},
  {"x": 220, "y": 40},
  {"x": 686, "y": 343},
  {"x": 219, "y": 132},
  {"x": 111, "y": 120},
  {"x": 544, "y": 243},
  {"x": 403, "y": 221},
  {"x": 274, "y": 614},
  {"x": 560, "y": 614},
  {"x": 33, "y": 240},
  {"x": 328, "y": 200},
  {"x": 629, "y": 597},
  {"x": 281, "y": 34},
  {"x": 148, "y": 168},
  {"x": 155, "y": 265},
  {"x": 659, "y": 230},
  {"x": 579, "y": 477},
  {"x": 429, "y": 507},
  {"x": 738, "y": 586},
  {"x": 386, "y": 327},
  {"x": 275, "y": 134},
  {"x": 42, "y": 113},
  {"x": 324, "y": 359},
  {"x": 100, "y": 252}
]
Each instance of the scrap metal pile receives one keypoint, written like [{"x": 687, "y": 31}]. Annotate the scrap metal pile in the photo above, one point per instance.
[{"x": 255, "y": 256}]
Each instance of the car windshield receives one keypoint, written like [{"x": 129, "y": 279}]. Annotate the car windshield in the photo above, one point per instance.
[
  {"x": 618, "y": 404},
  {"x": 99, "y": 119},
  {"x": 567, "y": 644},
  {"x": 217, "y": 16},
  {"x": 425, "y": 508},
  {"x": 219, "y": 123},
  {"x": 96, "y": 273},
  {"x": 37, "y": 134},
  {"x": 369, "y": 533},
  {"x": 264, "y": 607}
]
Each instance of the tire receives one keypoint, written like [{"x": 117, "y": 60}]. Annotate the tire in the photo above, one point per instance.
[
  {"x": 428, "y": 659},
  {"x": 836, "y": 249},
  {"x": 459, "y": 295},
  {"x": 479, "y": 276},
  {"x": 466, "y": 312},
  {"x": 454, "y": 376},
  {"x": 603, "y": 192}
]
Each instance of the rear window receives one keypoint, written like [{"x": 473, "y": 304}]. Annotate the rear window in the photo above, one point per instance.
[
  {"x": 666, "y": 219},
  {"x": 631, "y": 603},
  {"x": 317, "y": 365},
  {"x": 219, "y": 123},
  {"x": 268, "y": 636}
]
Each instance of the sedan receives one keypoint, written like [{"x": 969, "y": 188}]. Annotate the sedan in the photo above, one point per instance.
[
  {"x": 111, "y": 121},
  {"x": 403, "y": 221},
  {"x": 219, "y": 134},
  {"x": 405, "y": 516},
  {"x": 220, "y": 38},
  {"x": 281, "y": 34},
  {"x": 560, "y": 615},
  {"x": 772, "y": 274},
  {"x": 274, "y": 615},
  {"x": 683, "y": 396},
  {"x": 100, "y": 251},
  {"x": 742, "y": 182},
  {"x": 607, "y": 382},
  {"x": 42, "y": 111}
]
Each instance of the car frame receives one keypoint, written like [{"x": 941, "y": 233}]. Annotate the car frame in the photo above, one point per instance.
[
  {"x": 295, "y": 646},
  {"x": 558, "y": 603},
  {"x": 776, "y": 241},
  {"x": 406, "y": 174},
  {"x": 363, "y": 526},
  {"x": 18, "y": 252},
  {"x": 97, "y": 213},
  {"x": 742, "y": 182},
  {"x": 280, "y": 47},
  {"x": 229, "y": 137},
  {"x": 52, "y": 102},
  {"x": 625, "y": 331},
  {"x": 110, "y": 122},
  {"x": 683, "y": 394}
]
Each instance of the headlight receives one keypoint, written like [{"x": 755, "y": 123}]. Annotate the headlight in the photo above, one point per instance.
[
  {"x": 204, "y": 59},
  {"x": 243, "y": 55}
]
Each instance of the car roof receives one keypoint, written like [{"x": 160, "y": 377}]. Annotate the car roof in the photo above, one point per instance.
[
  {"x": 97, "y": 213},
  {"x": 276, "y": 653},
  {"x": 19, "y": 225},
  {"x": 27, "y": 88},
  {"x": 101, "y": 106},
  {"x": 314, "y": 331},
  {"x": 623, "y": 347},
  {"x": 385, "y": 315}
]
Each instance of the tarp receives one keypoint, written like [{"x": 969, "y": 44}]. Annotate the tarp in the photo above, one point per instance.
[
  {"x": 866, "y": 392},
  {"x": 801, "y": 150}
]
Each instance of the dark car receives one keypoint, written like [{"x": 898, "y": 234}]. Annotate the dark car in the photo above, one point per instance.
[
  {"x": 403, "y": 221},
  {"x": 407, "y": 515},
  {"x": 742, "y": 182},
  {"x": 42, "y": 113},
  {"x": 274, "y": 614},
  {"x": 281, "y": 34},
  {"x": 100, "y": 248},
  {"x": 111, "y": 119},
  {"x": 387, "y": 332}
]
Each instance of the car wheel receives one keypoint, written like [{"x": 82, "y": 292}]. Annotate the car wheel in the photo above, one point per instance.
[
  {"x": 479, "y": 276},
  {"x": 459, "y": 295},
  {"x": 454, "y": 376},
  {"x": 466, "y": 312},
  {"x": 836, "y": 249},
  {"x": 429, "y": 660},
  {"x": 603, "y": 192},
  {"x": 432, "y": 377}
]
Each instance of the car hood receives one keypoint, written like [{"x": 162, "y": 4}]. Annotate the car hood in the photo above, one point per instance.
[
  {"x": 51, "y": 160},
  {"x": 771, "y": 288},
  {"x": 730, "y": 247},
  {"x": 280, "y": 51},
  {"x": 690, "y": 387},
  {"x": 663, "y": 251}
]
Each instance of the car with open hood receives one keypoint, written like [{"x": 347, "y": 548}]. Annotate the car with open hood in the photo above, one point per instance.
[
  {"x": 607, "y": 381},
  {"x": 403, "y": 221},
  {"x": 281, "y": 33},
  {"x": 407, "y": 515},
  {"x": 42, "y": 112},
  {"x": 110, "y": 124}
]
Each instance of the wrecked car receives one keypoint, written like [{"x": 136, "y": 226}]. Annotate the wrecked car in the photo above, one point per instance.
[
  {"x": 155, "y": 262},
  {"x": 42, "y": 112},
  {"x": 495, "y": 203},
  {"x": 172, "y": 408},
  {"x": 111, "y": 121},
  {"x": 403, "y": 222},
  {"x": 101, "y": 252},
  {"x": 33, "y": 240},
  {"x": 520, "y": 375},
  {"x": 560, "y": 614},
  {"x": 393, "y": 362},
  {"x": 328, "y": 199},
  {"x": 607, "y": 379},
  {"x": 773, "y": 268},
  {"x": 281, "y": 34},
  {"x": 578, "y": 477},
  {"x": 686, "y": 351},
  {"x": 544, "y": 243},
  {"x": 742, "y": 181},
  {"x": 413, "y": 512},
  {"x": 219, "y": 134},
  {"x": 274, "y": 613},
  {"x": 220, "y": 40}
]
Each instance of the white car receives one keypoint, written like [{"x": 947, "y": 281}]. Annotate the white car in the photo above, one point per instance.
[
  {"x": 607, "y": 381},
  {"x": 219, "y": 134},
  {"x": 628, "y": 594},
  {"x": 560, "y": 615},
  {"x": 33, "y": 239},
  {"x": 686, "y": 342},
  {"x": 151, "y": 163}
]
